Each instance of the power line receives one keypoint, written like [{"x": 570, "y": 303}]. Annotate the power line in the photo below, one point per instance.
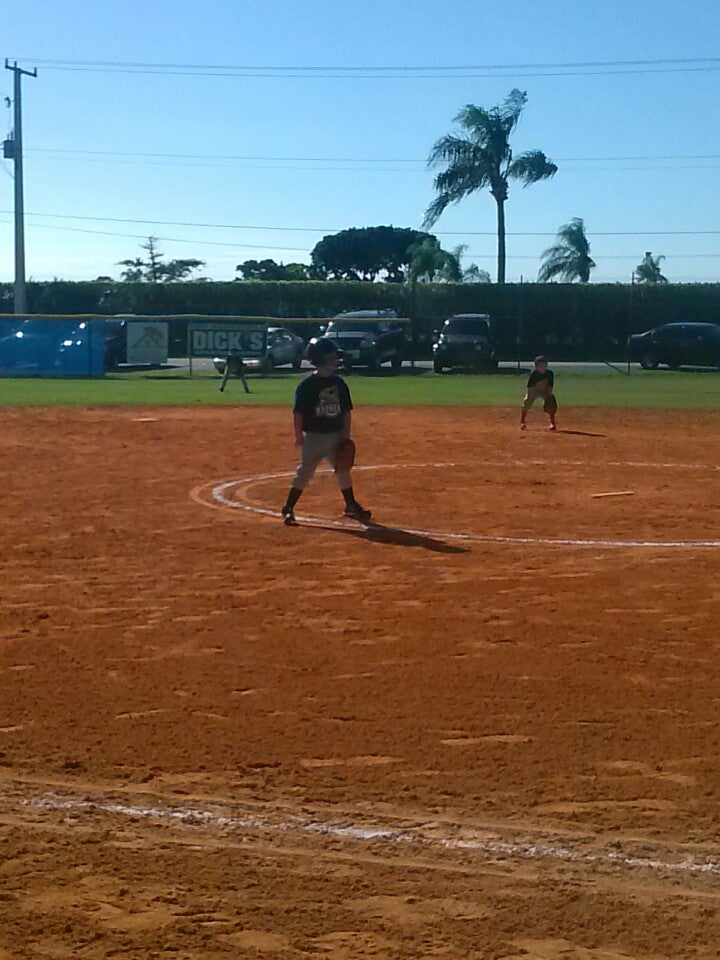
[
  {"x": 249, "y": 246},
  {"x": 393, "y": 71},
  {"x": 390, "y": 67},
  {"x": 446, "y": 233},
  {"x": 134, "y": 236},
  {"x": 326, "y": 159}
]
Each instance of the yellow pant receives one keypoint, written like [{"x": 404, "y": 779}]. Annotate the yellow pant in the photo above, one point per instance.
[{"x": 538, "y": 393}]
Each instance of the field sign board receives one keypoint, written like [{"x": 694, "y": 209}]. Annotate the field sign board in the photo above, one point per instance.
[
  {"x": 147, "y": 342},
  {"x": 212, "y": 339}
]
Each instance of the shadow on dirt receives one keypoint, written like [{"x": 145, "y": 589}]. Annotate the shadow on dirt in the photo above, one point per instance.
[
  {"x": 583, "y": 433},
  {"x": 377, "y": 533}
]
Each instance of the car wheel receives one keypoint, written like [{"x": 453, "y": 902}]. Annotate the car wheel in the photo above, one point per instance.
[
  {"x": 674, "y": 365},
  {"x": 373, "y": 368},
  {"x": 648, "y": 361},
  {"x": 297, "y": 362},
  {"x": 396, "y": 363}
]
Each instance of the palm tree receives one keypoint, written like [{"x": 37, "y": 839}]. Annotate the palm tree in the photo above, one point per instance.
[
  {"x": 481, "y": 157},
  {"x": 649, "y": 270},
  {"x": 428, "y": 260},
  {"x": 569, "y": 258},
  {"x": 455, "y": 272}
]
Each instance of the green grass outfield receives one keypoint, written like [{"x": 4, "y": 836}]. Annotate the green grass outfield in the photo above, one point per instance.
[{"x": 591, "y": 388}]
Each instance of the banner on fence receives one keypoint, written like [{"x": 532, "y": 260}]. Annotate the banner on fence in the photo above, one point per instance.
[
  {"x": 51, "y": 347},
  {"x": 147, "y": 342},
  {"x": 219, "y": 339}
]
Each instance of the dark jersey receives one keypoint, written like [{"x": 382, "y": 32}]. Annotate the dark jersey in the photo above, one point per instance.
[
  {"x": 542, "y": 381},
  {"x": 322, "y": 401}
]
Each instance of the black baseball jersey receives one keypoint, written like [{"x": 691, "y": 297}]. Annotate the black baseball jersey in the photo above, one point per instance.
[
  {"x": 322, "y": 401},
  {"x": 542, "y": 381}
]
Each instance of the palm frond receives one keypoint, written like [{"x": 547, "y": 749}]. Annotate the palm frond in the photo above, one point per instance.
[
  {"x": 450, "y": 149},
  {"x": 512, "y": 107},
  {"x": 530, "y": 167},
  {"x": 459, "y": 179},
  {"x": 473, "y": 118},
  {"x": 436, "y": 209}
]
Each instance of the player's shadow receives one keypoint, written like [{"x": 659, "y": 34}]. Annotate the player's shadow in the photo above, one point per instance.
[
  {"x": 583, "y": 433},
  {"x": 377, "y": 533}
]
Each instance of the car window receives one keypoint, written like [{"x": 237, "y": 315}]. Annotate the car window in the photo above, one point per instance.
[
  {"x": 711, "y": 333},
  {"x": 676, "y": 331},
  {"x": 356, "y": 326},
  {"x": 466, "y": 326}
]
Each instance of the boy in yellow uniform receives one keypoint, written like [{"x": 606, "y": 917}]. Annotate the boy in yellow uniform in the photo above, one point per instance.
[{"x": 540, "y": 386}]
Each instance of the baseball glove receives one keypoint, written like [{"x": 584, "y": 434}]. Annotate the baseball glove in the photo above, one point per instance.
[
  {"x": 345, "y": 456},
  {"x": 550, "y": 405}
]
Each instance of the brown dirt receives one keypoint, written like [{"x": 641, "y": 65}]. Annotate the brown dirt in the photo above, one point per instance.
[{"x": 221, "y": 737}]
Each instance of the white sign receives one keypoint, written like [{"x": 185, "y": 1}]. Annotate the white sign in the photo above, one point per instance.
[
  {"x": 218, "y": 341},
  {"x": 147, "y": 342}
]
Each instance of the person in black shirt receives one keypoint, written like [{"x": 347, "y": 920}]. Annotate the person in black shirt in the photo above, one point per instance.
[
  {"x": 322, "y": 418},
  {"x": 540, "y": 386}
]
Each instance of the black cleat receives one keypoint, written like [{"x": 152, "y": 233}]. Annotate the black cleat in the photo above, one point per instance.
[
  {"x": 289, "y": 517},
  {"x": 356, "y": 512}
]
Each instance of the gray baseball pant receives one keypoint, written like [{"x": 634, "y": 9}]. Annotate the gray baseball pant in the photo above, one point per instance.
[{"x": 316, "y": 448}]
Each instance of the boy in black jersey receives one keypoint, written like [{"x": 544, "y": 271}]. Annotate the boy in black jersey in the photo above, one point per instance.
[
  {"x": 540, "y": 386},
  {"x": 321, "y": 417}
]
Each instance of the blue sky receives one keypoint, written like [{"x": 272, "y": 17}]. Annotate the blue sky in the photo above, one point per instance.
[{"x": 355, "y": 145}]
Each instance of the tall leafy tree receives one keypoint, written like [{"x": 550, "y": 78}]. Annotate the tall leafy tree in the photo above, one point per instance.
[
  {"x": 569, "y": 257},
  {"x": 479, "y": 157},
  {"x": 649, "y": 271},
  {"x": 365, "y": 253},
  {"x": 271, "y": 270},
  {"x": 153, "y": 269}
]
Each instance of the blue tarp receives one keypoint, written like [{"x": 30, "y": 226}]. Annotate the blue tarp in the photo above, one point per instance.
[{"x": 43, "y": 347}]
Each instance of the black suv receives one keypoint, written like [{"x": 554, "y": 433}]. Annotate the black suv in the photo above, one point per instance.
[
  {"x": 466, "y": 340},
  {"x": 368, "y": 338},
  {"x": 675, "y": 345}
]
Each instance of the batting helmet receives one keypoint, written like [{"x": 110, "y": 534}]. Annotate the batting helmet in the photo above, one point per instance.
[{"x": 320, "y": 349}]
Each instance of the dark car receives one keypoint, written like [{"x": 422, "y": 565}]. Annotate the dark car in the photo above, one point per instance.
[
  {"x": 466, "y": 340},
  {"x": 677, "y": 345},
  {"x": 368, "y": 338}
]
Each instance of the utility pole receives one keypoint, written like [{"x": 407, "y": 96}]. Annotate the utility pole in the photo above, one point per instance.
[
  {"x": 13, "y": 149},
  {"x": 631, "y": 319}
]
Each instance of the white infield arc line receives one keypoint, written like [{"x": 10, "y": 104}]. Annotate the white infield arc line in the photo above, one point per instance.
[
  {"x": 220, "y": 491},
  {"x": 397, "y": 833}
]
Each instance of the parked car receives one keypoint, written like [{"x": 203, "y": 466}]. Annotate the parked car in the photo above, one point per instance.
[
  {"x": 466, "y": 340},
  {"x": 368, "y": 338},
  {"x": 677, "y": 345},
  {"x": 283, "y": 347}
]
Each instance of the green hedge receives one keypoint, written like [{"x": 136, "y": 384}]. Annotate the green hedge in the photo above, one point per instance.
[{"x": 568, "y": 321}]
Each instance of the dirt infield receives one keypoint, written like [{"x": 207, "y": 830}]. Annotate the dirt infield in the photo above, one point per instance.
[{"x": 486, "y": 727}]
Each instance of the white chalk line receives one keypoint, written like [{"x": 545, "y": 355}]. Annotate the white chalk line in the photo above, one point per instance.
[
  {"x": 220, "y": 491},
  {"x": 396, "y": 834}
]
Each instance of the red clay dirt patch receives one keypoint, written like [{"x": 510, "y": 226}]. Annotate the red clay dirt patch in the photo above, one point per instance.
[{"x": 222, "y": 737}]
